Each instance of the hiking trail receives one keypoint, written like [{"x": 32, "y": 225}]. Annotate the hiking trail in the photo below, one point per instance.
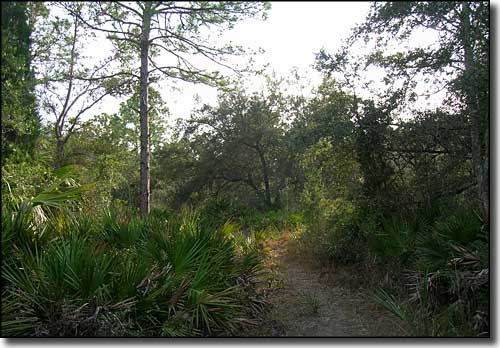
[{"x": 304, "y": 301}]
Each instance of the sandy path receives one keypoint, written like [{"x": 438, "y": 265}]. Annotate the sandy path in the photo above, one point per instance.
[{"x": 303, "y": 304}]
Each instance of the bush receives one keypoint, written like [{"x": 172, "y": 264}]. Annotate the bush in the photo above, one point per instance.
[
  {"x": 215, "y": 212},
  {"x": 335, "y": 234},
  {"x": 347, "y": 244},
  {"x": 448, "y": 287},
  {"x": 164, "y": 275}
]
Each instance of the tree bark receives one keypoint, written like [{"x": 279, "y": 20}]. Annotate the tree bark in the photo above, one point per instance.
[{"x": 143, "y": 113}]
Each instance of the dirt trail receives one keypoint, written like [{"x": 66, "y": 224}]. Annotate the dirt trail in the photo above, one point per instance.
[{"x": 304, "y": 303}]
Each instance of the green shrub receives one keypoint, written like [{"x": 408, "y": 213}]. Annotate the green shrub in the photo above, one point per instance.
[
  {"x": 447, "y": 290},
  {"x": 347, "y": 244},
  {"x": 122, "y": 229},
  {"x": 335, "y": 235},
  {"x": 128, "y": 276},
  {"x": 393, "y": 243},
  {"x": 215, "y": 212},
  {"x": 437, "y": 245}
]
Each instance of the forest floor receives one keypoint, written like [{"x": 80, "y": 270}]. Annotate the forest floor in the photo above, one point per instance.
[{"x": 304, "y": 300}]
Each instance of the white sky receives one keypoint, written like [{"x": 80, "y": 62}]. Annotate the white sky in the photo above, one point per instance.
[{"x": 291, "y": 35}]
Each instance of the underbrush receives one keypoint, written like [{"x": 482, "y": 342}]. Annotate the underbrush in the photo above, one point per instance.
[
  {"x": 431, "y": 268},
  {"x": 331, "y": 234},
  {"x": 67, "y": 273},
  {"x": 446, "y": 288},
  {"x": 259, "y": 225}
]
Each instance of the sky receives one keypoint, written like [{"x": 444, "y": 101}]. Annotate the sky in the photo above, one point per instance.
[{"x": 290, "y": 37}]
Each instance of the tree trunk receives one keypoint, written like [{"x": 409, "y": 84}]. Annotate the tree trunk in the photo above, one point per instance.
[
  {"x": 479, "y": 161},
  {"x": 265, "y": 172},
  {"x": 143, "y": 111},
  {"x": 59, "y": 154},
  {"x": 485, "y": 185}
]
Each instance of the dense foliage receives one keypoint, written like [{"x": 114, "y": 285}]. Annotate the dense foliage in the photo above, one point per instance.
[{"x": 20, "y": 121}]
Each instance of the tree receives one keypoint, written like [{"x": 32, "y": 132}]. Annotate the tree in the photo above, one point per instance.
[
  {"x": 244, "y": 136},
  {"x": 147, "y": 28},
  {"x": 431, "y": 158},
  {"x": 104, "y": 149},
  {"x": 458, "y": 63},
  {"x": 70, "y": 86},
  {"x": 178, "y": 170},
  {"x": 372, "y": 137},
  {"x": 20, "y": 119}
]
